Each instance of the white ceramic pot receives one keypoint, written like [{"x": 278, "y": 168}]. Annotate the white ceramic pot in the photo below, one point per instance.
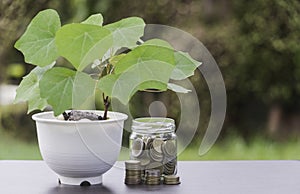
[{"x": 79, "y": 151}]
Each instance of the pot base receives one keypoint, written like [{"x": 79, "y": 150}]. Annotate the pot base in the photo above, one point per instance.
[{"x": 85, "y": 181}]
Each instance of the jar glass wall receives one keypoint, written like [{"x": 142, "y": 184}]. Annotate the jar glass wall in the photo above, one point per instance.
[{"x": 154, "y": 143}]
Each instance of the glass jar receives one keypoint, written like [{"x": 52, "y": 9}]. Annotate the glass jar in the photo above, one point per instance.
[{"x": 154, "y": 143}]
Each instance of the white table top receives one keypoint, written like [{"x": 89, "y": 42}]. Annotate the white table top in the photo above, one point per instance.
[{"x": 207, "y": 177}]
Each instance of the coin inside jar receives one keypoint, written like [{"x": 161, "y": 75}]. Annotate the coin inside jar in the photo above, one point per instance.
[
  {"x": 153, "y": 142},
  {"x": 148, "y": 141},
  {"x": 157, "y": 145},
  {"x": 155, "y": 156},
  {"x": 169, "y": 168},
  {"x": 169, "y": 148},
  {"x": 137, "y": 147},
  {"x": 144, "y": 159},
  {"x": 155, "y": 165}
]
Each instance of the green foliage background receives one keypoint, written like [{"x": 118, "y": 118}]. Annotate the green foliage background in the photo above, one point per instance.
[{"x": 255, "y": 43}]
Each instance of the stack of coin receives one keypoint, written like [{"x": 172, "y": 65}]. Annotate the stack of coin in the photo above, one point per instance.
[
  {"x": 152, "y": 177},
  {"x": 133, "y": 172},
  {"x": 171, "y": 180}
]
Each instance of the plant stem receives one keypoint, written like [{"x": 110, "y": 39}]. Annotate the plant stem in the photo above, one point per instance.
[
  {"x": 66, "y": 116},
  {"x": 106, "y": 105}
]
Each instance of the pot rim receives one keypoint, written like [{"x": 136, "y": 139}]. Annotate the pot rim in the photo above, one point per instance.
[{"x": 48, "y": 117}]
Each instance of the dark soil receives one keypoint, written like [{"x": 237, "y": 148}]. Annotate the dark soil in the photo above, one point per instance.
[{"x": 76, "y": 115}]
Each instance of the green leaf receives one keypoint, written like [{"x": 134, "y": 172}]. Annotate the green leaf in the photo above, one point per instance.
[
  {"x": 124, "y": 86},
  {"x": 81, "y": 44},
  {"x": 126, "y": 32},
  {"x": 37, "y": 43},
  {"x": 106, "y": 84},
  {"x": 158, "y": 43},
  {"x": 64, "y": 88},
  {"x": 153, "y": 85},
  {"x": 185, "y": 66},
  {"x": 114, "y": 59},
  {"x": 29, "y": 90},
  {"x": 177, "y": 88},
  {"x": 149, "y": 53},
  {"x": 83, "y": 91},
  {"x": 95, "y": 19},
  {"x": 148, "y": 66}
]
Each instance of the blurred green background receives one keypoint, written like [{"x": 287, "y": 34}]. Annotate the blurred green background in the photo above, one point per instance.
[{"x": 255, "y": 43}]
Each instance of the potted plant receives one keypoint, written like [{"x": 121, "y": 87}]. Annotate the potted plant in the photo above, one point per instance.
[{"x": 79, "y": 149}]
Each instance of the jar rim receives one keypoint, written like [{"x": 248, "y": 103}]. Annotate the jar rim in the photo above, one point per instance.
[{"x": 153, "y": 125}]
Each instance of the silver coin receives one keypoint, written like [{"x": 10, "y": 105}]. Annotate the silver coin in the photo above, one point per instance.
[
  {"x": 144, "y": 161},
  {"x": 169, "y": 147},
  {"x": 155, "y": 156},
  {"x": 157, "y": 145},
  {"x": 133, "y": 164},
  {"x": 152, "y": 173},
  {"x": 137, "y": 147},
  {"x": 170, "y": 166},
  {"x": 132, "y": 182},
  {"x": 155, "y": 165},
  {"x": 152, "y": 182},
  {"x": 132, "y": 173},
  {"x": 171, "y": 180},
  {"x": 153, "y": 176},
  {"x": 149, "y": 143}
]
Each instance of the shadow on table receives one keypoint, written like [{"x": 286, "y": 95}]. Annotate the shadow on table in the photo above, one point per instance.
[{"x": 66, "y": 189}]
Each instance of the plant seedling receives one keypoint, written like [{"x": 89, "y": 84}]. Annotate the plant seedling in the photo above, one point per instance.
[{"x": 90, "y": 46}]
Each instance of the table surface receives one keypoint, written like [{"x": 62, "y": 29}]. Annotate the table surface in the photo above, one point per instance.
[{"x": 208, "y": 177}]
